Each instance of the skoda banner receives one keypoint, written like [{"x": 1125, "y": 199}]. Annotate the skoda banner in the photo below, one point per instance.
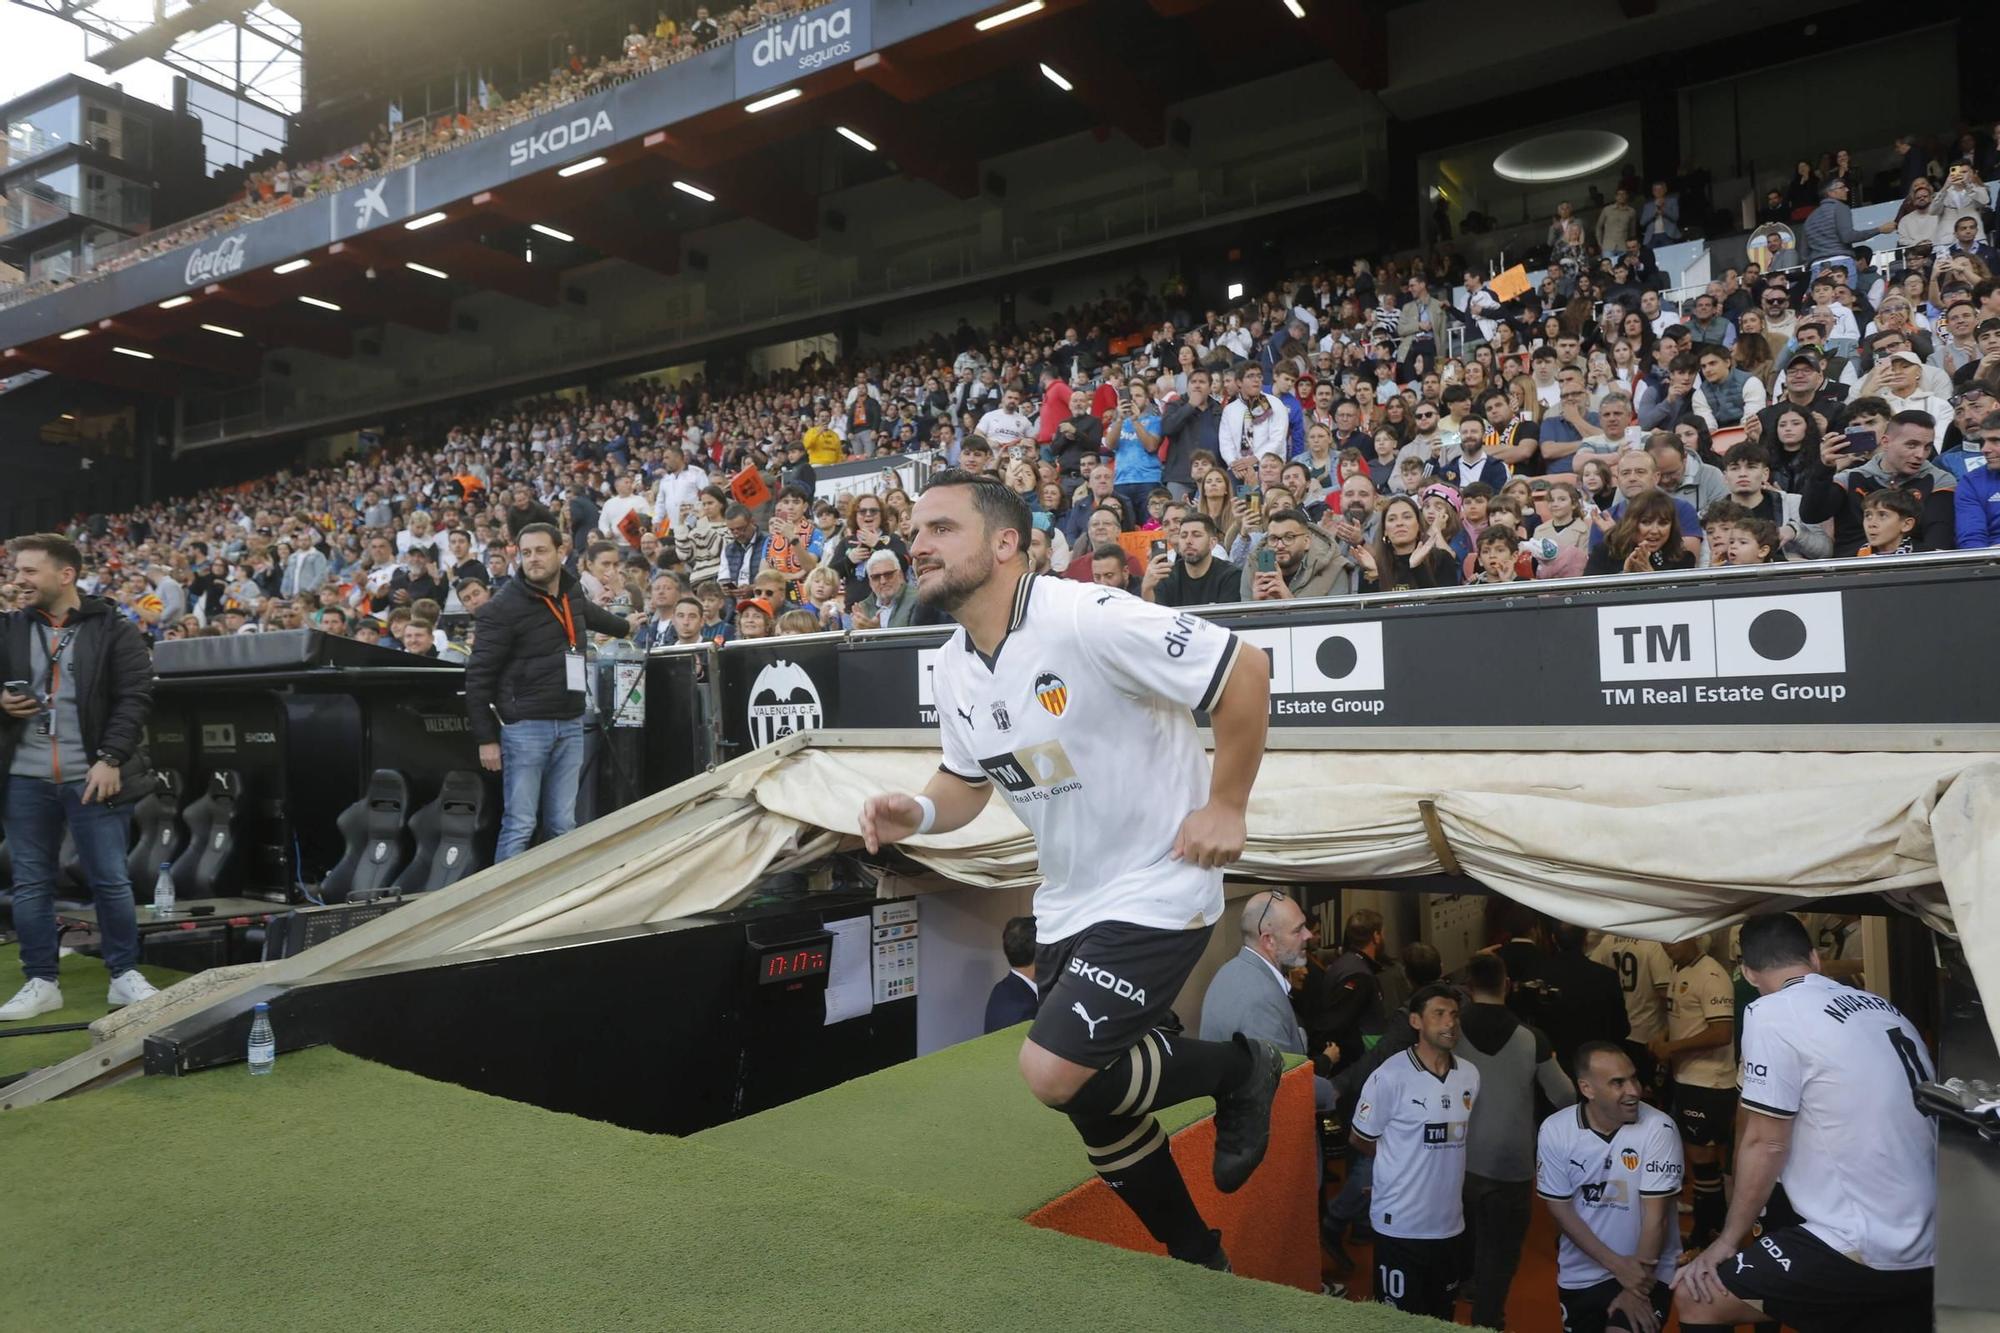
[{"x": 1786, "y": 650}]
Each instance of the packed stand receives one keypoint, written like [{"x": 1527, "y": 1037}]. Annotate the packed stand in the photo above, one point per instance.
[
  {"x": 397, "y": 142},
  {"x": 1381, "y": 428}
]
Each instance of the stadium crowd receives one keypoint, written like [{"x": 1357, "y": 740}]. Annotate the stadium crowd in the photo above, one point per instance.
[
  {"x": 1392, "y": 426},
  {"x": 397, "y": 141}
]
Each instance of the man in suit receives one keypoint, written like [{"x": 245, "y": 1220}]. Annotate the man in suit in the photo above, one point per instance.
[
  {"x": 1252, "y": 994},
  {"x": 891, "y": 599},
  {"x": 1015, "y": 996},
  {"x": 1421, "y": 324}
]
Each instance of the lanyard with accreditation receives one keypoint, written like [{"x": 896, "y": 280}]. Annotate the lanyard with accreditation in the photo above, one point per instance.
[{"x": 573, "y": 659}]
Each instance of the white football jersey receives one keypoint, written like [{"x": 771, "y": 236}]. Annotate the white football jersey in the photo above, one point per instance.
[
  {"x": 1082, "y": 718},
  {"x": 1843, "y": 1065},
  {"x": 1643, "y": 970},
  {"x": 1416, "y": 1121},
  {"x": 1700, "y": 993},
  {"x": 1607, "y": 1178}
]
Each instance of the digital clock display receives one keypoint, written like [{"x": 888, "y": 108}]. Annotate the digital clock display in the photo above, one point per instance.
[{"x": 792, "y": 962}]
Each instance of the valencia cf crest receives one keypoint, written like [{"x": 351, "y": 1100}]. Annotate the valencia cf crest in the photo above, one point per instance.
[
  {"x": 1052, "y": 692},
  {"x": 1630, "y": 1158},
  {"x": 1466, "y": 1097}
]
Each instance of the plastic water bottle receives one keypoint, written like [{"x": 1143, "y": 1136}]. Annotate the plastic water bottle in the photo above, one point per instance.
[
  {"x": 263, "y": 1044},
  {"x": 163, "y": 890}
]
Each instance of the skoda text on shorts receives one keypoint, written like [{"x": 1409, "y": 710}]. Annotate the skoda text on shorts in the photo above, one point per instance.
[{"x": 1056, "y": 692}]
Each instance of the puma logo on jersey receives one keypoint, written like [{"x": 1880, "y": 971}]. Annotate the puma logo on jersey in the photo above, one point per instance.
[
  {"x": 965, "y": 713},
  {"x": 1742, "y": 1261},
  {"x": 1088, "y": 1021},
  {"x": 1097, "y": 976}
]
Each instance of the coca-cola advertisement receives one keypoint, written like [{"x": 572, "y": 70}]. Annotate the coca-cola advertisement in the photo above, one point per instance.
[{"x": 206, "y": 263}]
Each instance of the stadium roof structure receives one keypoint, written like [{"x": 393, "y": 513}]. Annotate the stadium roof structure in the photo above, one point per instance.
[
  {"x": 251, "y": 48},
  {"x": 625, "y": 173}
]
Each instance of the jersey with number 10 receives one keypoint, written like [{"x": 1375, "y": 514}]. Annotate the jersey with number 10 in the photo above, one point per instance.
[
  {"x": 1417, "y": 1122},
  {"x": 1843, "y": 1066}
]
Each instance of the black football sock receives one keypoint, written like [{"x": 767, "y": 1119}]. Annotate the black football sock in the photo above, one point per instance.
[
  {"x": 1711, "y": 1208},
  {"x": 1131, "y": 1153},
  {"x": 1162, "y": 1069}
]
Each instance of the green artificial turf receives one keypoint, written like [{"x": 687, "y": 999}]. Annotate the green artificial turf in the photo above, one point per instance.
[
  {"x": 975, "y": 1135},
  {"x": 83, "y": 982},
  {"x": 338, "y": 1194}
]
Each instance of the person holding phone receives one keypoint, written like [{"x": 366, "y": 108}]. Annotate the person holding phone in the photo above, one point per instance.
[
  {"x": 1298, "y": 558},
  {"x": 1849, "y": 470},
  {"x": 79, "y": 687},
  {"x": 1134, "y": 430}
]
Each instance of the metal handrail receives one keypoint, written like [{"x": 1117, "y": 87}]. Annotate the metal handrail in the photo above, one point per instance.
[{"x": 1523, "y": 588}]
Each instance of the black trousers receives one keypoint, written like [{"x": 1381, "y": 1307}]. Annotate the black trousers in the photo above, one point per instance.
[{"x": 1496, "y": 1221}]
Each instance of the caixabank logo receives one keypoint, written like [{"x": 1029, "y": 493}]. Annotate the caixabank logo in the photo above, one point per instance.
[{"x": 1793, "y": 648}]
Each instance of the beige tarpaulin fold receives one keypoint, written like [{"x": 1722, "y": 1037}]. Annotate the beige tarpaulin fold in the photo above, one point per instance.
[
  {"x": 1659, "y": 845},
  {"x": 1966, "y": 826}
]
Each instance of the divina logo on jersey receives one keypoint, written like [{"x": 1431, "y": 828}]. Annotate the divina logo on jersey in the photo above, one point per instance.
[{"x": 1052, "y": 693}]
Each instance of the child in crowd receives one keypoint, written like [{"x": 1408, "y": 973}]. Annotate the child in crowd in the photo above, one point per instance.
[
  {"x": 715, "y": 627},
  {"x": 1499, "y": 558},
  {"x": 1889, "y": 520}
]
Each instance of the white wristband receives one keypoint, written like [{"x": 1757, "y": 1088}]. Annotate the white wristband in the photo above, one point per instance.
[{"x": 929, "y": 807}]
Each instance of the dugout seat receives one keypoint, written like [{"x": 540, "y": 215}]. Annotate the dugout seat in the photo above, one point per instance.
[
  {"x": 207, "y": 867},
  {"x": 375, "y": 831},
  {"x": 456, "y": 837},
  {"x": 157, "y": 835}
]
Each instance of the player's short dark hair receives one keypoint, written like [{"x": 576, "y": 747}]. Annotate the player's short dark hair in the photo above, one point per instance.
[
  {"x": 687, "y": 599},
  {"x": 1774, "y": 939},
  {"x": 51, "y": 544},
  {"x": 1421, "y": 963},
  {"x": 1297, "y": 516},
  {"x": 1201, "y": 520},
  {"x": 539, "y": 530},
  {"x": 1437, "y": 990},
  {"x": 1362, "y": 926},
  {"x": 1485, "y": 972},
  {"x": 1017, "y": 941},
  {"x": 1913, "y": 417},
  {"x": 998, "y": 506},
  {"x": 1579, "y": 1064},
  {"x": 1497, "y": 536},
  {"x": 1568, "y": 937},
  {"x": 1108, "y": 551},
  {"x": 795, "y": 491}
]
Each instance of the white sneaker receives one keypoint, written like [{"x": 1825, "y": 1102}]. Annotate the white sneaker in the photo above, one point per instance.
[
  {"x": 37, "y": 997},
  {"x": 129, "y": 988}
]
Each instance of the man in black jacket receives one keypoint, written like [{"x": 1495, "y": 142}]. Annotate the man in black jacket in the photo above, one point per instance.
[
  {"x": 79, "y": 687},
  {"x": 1192, "y": 424},
  {"x": 524, "y": 689}
]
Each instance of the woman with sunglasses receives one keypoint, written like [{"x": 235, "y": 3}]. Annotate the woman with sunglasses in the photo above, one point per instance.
[{"x": 865, "y": 536}]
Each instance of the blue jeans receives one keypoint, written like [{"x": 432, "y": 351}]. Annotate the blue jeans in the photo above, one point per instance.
[
  {"x": 1351, "y": 1204},
  {"x": 1134, "y": 495},
  {"x": 540, "y": 764},
  {"x": 36, "y": 812}
]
